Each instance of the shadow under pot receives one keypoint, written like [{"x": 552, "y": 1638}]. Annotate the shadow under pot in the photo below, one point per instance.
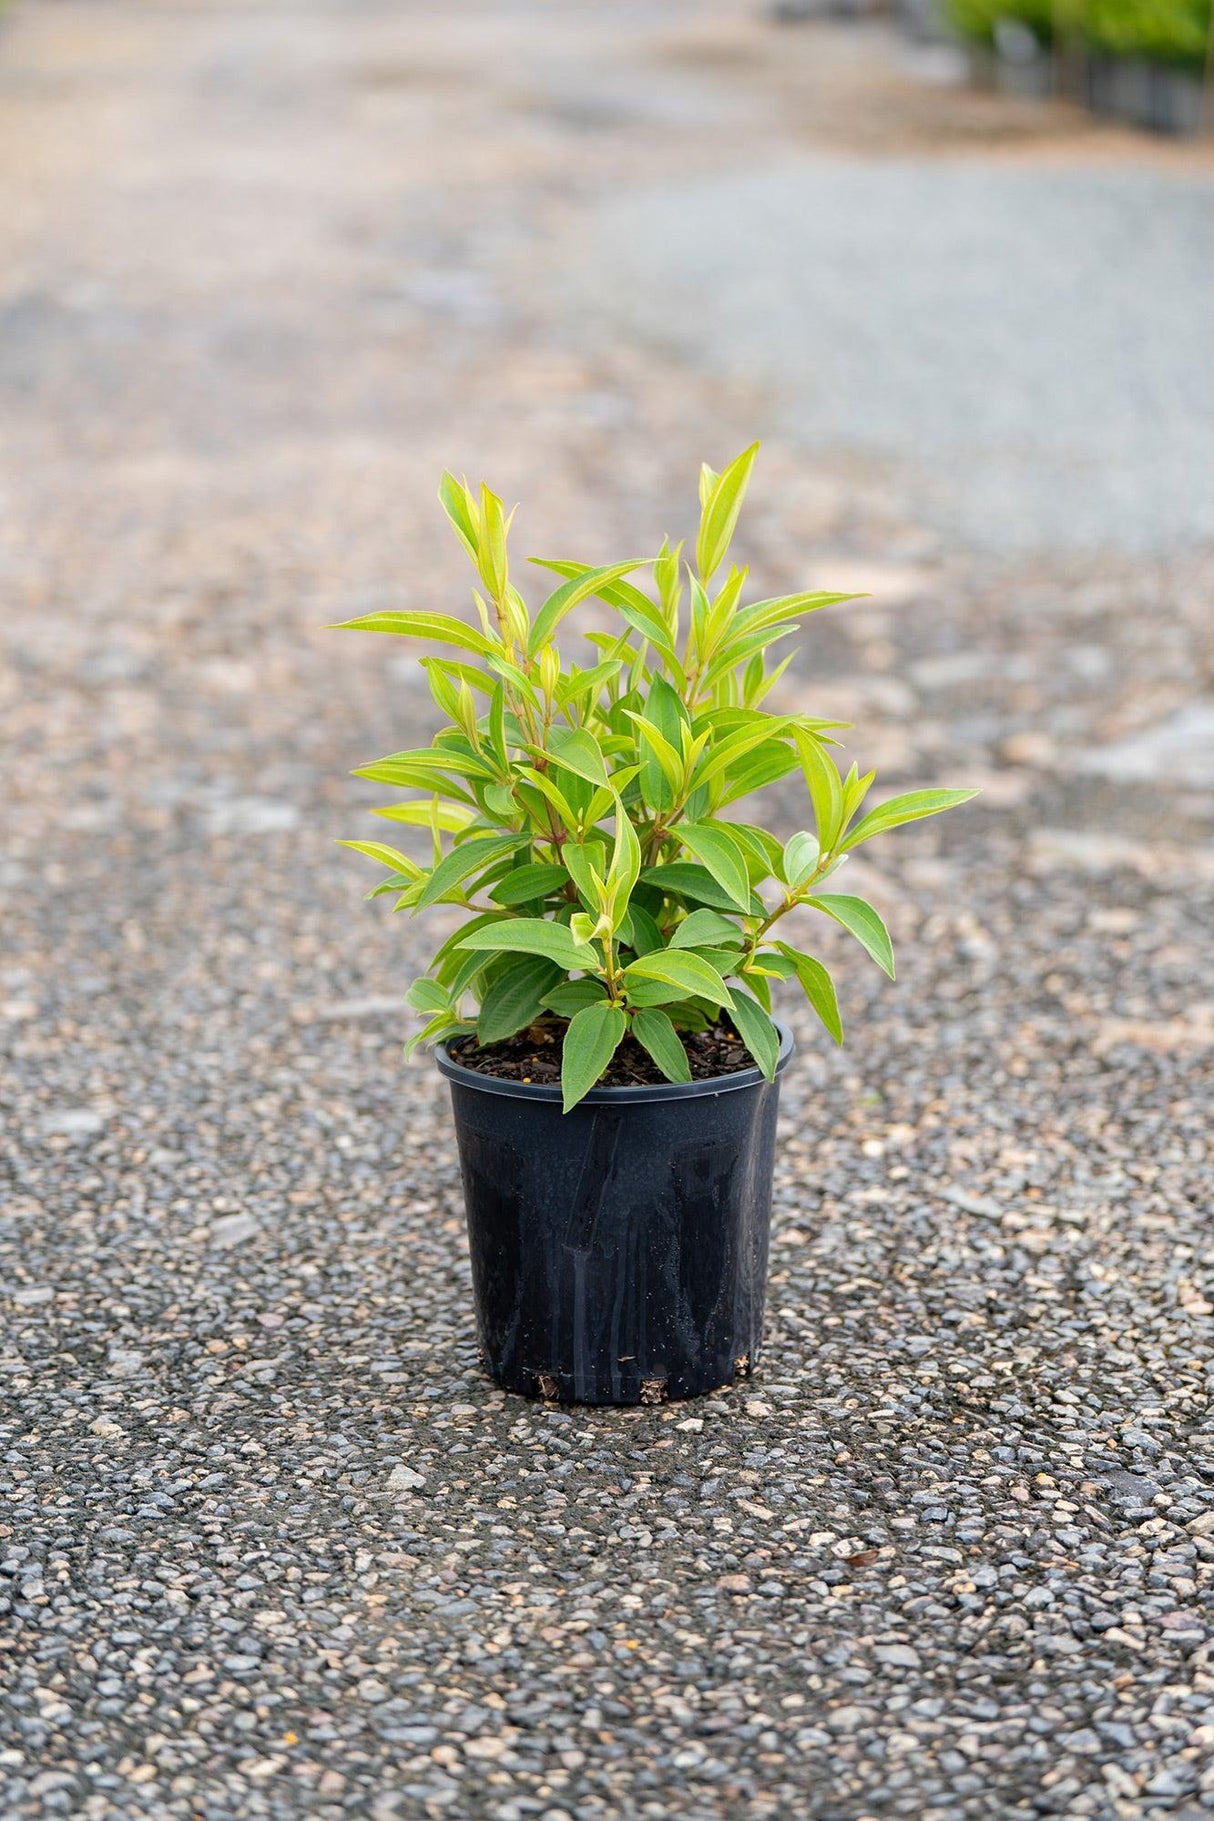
[{"x": 619, "y": 1251}]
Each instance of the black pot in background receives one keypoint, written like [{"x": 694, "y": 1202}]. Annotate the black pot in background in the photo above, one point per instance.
[{"x": 619, "y": 1251}]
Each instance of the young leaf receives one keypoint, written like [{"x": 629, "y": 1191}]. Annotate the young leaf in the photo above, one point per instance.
[
  {"x": 655, "y": 1033},
  {"x": 426, "y": 995},
  {"x": 583, "y": 860},
  {"x": 453, "y": 818},
  {"x": 471, "y": 856},
  {"x": 757, "y": 1032},
  {"x": 582, "y": 583},
  {"x": 679, "y": 967},
  {"x": 723, "y": 502},
  {"x": 516, "y": 997},
  {"x": 592, "y": 1039},
  {"x": 819, "y": 988},
  {"x": 910, "y": 808},
  {"x": 387, "y": 856},
  {"x": 460, "y": 508},
  {"x": 533, "y": 936},
  {"x": 800, "y": 858},
  {"x": 863, "y": 922},
  {"x": 825, "y": 788},
  {"x": 440, "y": 628},
  {"x": 578, "y": 751}
]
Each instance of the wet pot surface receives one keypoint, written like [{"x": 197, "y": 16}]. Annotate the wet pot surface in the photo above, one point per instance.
[{"x": 619, "y": 1252}]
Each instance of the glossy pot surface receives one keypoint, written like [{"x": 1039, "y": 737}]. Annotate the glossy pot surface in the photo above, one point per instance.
[{"x": 619, "y": 1251}]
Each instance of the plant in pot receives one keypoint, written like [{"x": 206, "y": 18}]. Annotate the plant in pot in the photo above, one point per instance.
[{"x": 603, "y": 1006}]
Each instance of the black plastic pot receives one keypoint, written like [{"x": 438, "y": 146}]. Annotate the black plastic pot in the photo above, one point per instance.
[{"x": 619, "y": 1251}]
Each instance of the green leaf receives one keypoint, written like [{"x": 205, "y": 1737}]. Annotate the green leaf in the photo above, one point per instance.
[
  {"x": 678, "y": 967},
  {"x": 757, "y": 1032},
  {"x": 571, "y": 995},
  {"x": 800, "y": 858},
  {"x": 655, "y": 1033},
  {"x": 720, "y": 514},
  {"x": 819, "y": 988},
  {"x": 825, "y": 788},
  {"x": 440, "y": 628},
  {"x": 578, "y": 751},
  {"x": 582, "y": 583},
  {"x": 668, "y": 760},
  {"x": 533, "y": 936},
  {"x": 527, "y": 883},
  {"x": 453, "y": 819},
  {"x": 582, "y": 860},
  {"x": 457, "y": 504},
  {"x": 426, "y": 995},
  {"x": 387, "y": 856},
  {"x": 643, "y": 935},
  {"x": 684, "y": 879},
  {"x": 762, "y": 766},
  {"x": 471, "y": 856},
  {"x": 657, "y": 992},
  {"x": 705, "y": 929},
  {"x": 910, "y": 808},
  {"x": 516, "y": 997},
  {"x": 625, "y": 867},
  {"x": 591, "y": 1041},
  {"x": 865, "y": 925},
  {"x": 714, "y": 849}
]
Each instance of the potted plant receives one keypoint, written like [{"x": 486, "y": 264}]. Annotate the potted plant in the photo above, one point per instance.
[{"x": 603, "y": 1010}]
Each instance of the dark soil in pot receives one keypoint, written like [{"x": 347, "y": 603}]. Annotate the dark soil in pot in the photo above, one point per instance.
[
  {"x": 534, "y": 1055},
  {"x": 619, "y": 1251}
]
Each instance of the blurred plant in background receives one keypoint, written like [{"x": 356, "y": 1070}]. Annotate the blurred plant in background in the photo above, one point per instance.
[{"x": 1174, "y": 32}]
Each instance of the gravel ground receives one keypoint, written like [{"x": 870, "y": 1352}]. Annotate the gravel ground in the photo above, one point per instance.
[{"x": 272, "y": 1546}]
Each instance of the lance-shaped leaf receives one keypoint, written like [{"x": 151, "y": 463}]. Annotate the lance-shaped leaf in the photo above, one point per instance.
[
  {"x": 387, "y": 856},
  {"x": 706, "y": 929},
  {"x": 858, "y": 916},
  {"x": 579, "y": 752},
  {"x": 581, "y": 584},
  {"x": 472, "y": 856},
  {"x": 910, "y": 808},
  {"x": 516, "y": 997},
  {"x": 757, "y": 1032},
  {"x": 533, "y": 936},
  {"x": 678, "y": 967},
  {"x": 460, "y": 507},
  {"x": 439, "y": 628},
  {"x": 656, "y": 1034},
  {"x": 715, "y": 849},
  {"x": 592, "y": 1039},
  {"x": 452, "y": 818},
  {"x": 825, "y": 787},
  {"x": 723, "y": 502},
  {"x": 686, "y": 879},
  {"x": 818, "y": 987},
  {"x": 527, "y": 883}
]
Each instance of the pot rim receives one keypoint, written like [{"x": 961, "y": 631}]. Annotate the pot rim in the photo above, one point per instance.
[{"x": 617, "y": 1097}]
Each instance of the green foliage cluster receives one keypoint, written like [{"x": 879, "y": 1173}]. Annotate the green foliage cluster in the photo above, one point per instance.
[
  {"x": 577, "y": 814},
  {"x": 1163, "y": 31}
]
